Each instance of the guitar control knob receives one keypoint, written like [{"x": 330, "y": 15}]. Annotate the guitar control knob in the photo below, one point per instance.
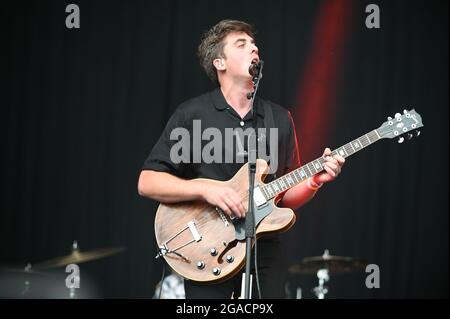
[
  {"x": 216, "y": 271},
  {"x": 230, "y": 259},
  {"x": 200, "y": 264},
  {"x": 213, "y": 251}
]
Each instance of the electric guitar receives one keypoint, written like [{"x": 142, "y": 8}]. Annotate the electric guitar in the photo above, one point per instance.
[{"x": 203, "y": 244}]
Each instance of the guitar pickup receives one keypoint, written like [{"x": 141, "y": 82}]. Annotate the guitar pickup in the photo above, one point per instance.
[{"x": 258, "y": 197}]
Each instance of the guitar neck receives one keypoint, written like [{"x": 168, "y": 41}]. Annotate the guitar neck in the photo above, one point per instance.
[{"x": 302, "y": 173}]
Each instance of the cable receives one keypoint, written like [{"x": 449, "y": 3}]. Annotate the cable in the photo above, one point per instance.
[
  {"x": 256, "y": 267},
  {"x": 162, "y": 281}
]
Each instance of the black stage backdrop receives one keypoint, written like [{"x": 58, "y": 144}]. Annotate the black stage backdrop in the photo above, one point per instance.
[{"x": 82, "y": 108}]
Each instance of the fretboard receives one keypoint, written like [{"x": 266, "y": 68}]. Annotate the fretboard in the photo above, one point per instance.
[{"x": 300, "y": 174}]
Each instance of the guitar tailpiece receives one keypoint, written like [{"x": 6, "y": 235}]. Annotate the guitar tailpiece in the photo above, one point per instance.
[{"x": 161, "y": 252}]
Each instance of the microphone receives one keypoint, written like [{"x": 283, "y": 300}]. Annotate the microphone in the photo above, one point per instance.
[{"x": 255, "y": 68}]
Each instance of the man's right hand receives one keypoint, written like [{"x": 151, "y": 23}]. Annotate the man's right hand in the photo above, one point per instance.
[
  {"x": 225, "y": 198},
  {"x": 166, "y": 188}
]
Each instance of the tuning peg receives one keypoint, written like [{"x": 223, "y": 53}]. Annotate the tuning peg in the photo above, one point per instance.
[
  {"x": 417, "y": 133},
  {"x": 405, "y": 111},
  {"x": 409, "y": 136},
  {"x": 389, "y": 118},
  {"x": 401, "y": 139},
  {"x": 398, "y": 115}
]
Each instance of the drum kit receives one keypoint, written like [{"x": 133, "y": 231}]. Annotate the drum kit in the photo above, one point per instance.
[
  {"x": 38, "y": 282},
  {"x": 323, "y": 266},
  {"x": 41, "y": 281}
]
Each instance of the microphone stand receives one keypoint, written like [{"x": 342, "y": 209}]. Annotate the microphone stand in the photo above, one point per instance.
[{"x": 250, "y": 227}]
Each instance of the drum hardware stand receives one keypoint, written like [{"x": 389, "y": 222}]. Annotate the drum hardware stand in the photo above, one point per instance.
[
  {"x": 27, "y": 284},
  {"x": 320, "y": 291},
  {"x": 324, "y": 276}
]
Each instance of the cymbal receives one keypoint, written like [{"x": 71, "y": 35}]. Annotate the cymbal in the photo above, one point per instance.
[
  {"x": 27, "y": 282},
  {"x": 77, "y": 257},
  {"x": 334, "y": 264},
  {"x": 21, "y": 272}
]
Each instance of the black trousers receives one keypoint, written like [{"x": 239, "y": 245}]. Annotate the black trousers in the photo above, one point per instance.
[{"x": 272, "y": 276}]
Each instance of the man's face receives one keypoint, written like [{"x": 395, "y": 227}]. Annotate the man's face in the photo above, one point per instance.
[{"x": 240, "y": 51}]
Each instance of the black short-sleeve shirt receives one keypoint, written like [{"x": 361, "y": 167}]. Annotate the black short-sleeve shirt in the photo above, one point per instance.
[{"x": 210, "y": 110}]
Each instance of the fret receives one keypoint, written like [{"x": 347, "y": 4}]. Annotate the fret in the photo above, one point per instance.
[
  {"x": 317, "y": 165},
  {"x": 352, "y": 147},
  {"x": 348, "y": 149},
  {"x": 263, "y": 191},
  {"x": 275, "y": 186},
  {"x": 288, "y": 185},
  {"x": 266, "y": 187},
  {"x": 307, "y": 173},
  {"x": 281, "y": 183},
  {"x": 302, "y": 173},
  {"x": 378, "y": 135},
  {"x": 271, "y": 192},
  {"x": 285, "y": 183},
  {"x": 291, "y": 179},
  {"x": 266, "y": 192},
  {"x": 366, "y": 136},
  {"x": 342, "y": 152},
  {"x": 365, "y": 143},
  {"x": 312, "y": 170},
  {"x": 294, "y": 172},
  {"x": 278, "y": 185},
  {"x": 361, "y": 141},
  {"x": 333, "y": 153},
  {"x": 288, "y": 180},
  {"x": 373, "y": 136},
  {"x": 358, "y": 144}
]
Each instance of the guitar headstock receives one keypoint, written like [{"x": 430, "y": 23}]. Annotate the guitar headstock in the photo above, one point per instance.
[{"x": 402, "y": 126}]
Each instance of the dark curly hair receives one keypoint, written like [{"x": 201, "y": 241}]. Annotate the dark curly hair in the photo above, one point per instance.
[{"x": 211, "y": 46}]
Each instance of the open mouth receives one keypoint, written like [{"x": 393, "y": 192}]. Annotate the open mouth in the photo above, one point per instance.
[{"x": 255, "y": 61}]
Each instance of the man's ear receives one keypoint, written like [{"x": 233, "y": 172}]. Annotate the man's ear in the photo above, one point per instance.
[{"x": 219, "y": 64}]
